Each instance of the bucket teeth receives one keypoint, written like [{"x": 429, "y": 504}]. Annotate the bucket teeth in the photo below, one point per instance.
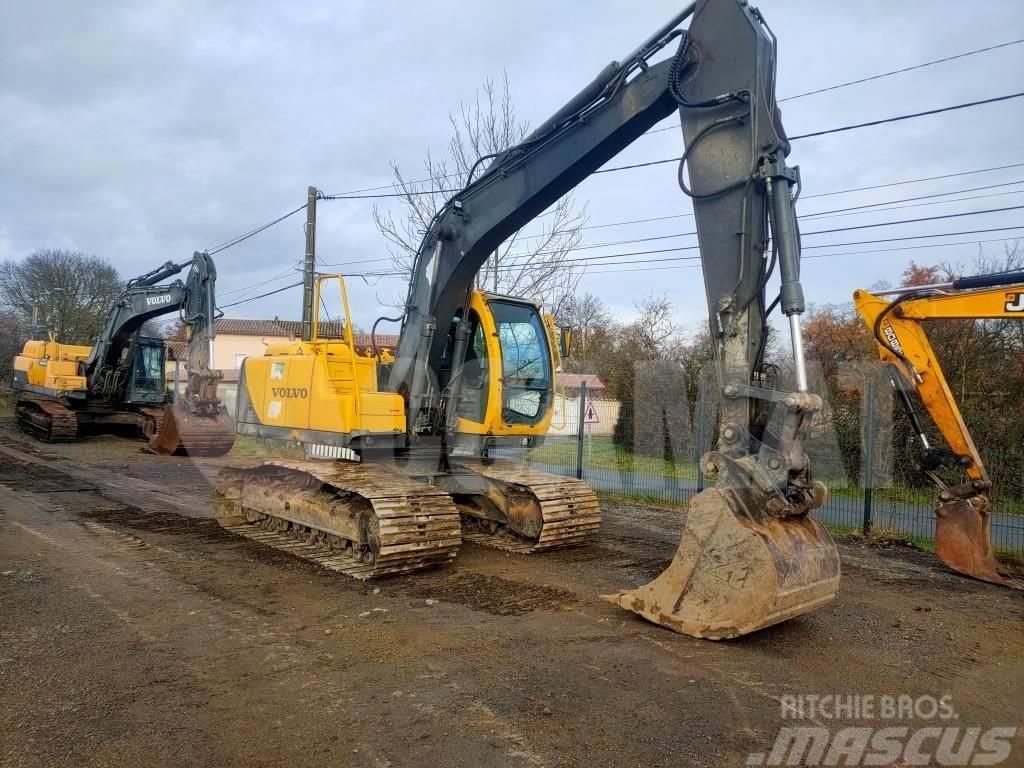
[{"x": 735, "y": 573}]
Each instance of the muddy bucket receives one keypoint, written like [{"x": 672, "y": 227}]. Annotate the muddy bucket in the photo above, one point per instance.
[
  {"x": 963, "y": 540},
  {"x": 188, "y": 434},
  {"x": 734, "y": 574}
]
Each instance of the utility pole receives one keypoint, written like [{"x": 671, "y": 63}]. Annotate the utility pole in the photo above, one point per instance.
[
  {"x": 494, "y": 280},
  {"x": 309, "y": 265}
]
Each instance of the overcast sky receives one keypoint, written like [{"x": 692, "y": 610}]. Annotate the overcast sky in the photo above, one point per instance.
[{"x": 144, "y": 131}]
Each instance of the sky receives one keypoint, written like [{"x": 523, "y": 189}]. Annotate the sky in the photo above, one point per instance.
[{"x": 144, "y": 131}]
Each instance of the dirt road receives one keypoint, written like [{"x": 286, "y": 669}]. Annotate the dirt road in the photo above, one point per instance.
[{"x": 134, "y": 631}]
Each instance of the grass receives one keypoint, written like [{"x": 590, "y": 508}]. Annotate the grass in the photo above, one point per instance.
[
  {"x": 248, "y": 447},
  {"x": 604, "y": 453}
]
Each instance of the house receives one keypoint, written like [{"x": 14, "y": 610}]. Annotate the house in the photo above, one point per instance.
[
  {"x": 571, "y": 383},
  {"x": 238, "y": 339}
]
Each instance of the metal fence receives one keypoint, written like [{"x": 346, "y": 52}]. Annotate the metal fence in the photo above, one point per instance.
[{"x": 877, "y": 492}]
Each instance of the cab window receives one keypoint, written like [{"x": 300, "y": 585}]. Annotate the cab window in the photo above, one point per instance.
[{"x": 525, "y": 360}]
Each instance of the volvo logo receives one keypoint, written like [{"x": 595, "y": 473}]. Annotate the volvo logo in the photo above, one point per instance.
[
  {"x": 299, "y": 392},
  {"x": 152, "y": 301}
]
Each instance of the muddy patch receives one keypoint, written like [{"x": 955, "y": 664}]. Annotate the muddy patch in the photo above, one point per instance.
[{"x": 484, "y": 592}]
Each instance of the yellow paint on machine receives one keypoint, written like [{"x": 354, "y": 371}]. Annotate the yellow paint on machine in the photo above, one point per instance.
[
  {"x": 326, "y": 385},
  {"x": 52, "y": 366}
]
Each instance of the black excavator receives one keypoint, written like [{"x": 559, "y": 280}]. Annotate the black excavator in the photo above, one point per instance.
[
  {"x": 120, "y": 381},
  {"x": 751, "y": 555}
]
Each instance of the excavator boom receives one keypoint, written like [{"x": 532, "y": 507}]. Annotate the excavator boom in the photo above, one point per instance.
[
  {"x": 963, "y": 518},
  {"x": 751, "y": 555}
]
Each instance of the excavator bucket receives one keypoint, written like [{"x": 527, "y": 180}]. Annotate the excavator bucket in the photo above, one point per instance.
[
  {"x": 737, "y": 572},
  {"x": 188, "y": 434},
  {"x": 963, "y": 540}
]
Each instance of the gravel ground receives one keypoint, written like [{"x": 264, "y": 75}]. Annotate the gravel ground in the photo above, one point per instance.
[{"x": 134, "y": 631}]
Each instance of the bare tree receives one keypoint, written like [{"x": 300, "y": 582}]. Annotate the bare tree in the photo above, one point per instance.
[
  {"x": 589, "y": 319},
  {"x": 69, "y": 291},
  {"x": 535, "y": 266}
]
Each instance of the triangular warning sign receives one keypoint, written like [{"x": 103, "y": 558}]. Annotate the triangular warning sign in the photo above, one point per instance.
[{"x": 590, "y": 414}]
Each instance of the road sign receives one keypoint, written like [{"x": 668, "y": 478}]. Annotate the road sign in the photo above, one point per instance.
[{"x": 590, "y": 414}]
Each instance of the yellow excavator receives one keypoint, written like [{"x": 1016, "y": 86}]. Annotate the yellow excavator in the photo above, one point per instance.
[
  {"x": 119, "y": 380},
  {"x": 897, "y": 320},
  {"x": 400, "y": 510},
  {"x": 471, "y": 370}
]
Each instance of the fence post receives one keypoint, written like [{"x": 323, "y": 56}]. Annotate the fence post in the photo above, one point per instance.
[
  {"x": 869, "y": 458},
  {"x": 579, "y": 429},
  {"x": 702, "y": 394}
]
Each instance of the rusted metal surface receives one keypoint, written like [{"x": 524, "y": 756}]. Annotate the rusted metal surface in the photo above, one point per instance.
[
  {"x": 363, "y": 520},
  {"x": 47, "y": 420},
  {"x": 738, "y": 569},
  {"x": 513, "y": 507},
  {"x": 964, "y": 542},
  {"x": 190, "y": 434}
]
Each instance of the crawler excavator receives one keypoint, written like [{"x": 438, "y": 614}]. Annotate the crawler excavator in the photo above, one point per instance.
[
  {"x": 119, "y": 380},
  {"x": 897, "y": 319},
  {"x": 751, "y": 555}
]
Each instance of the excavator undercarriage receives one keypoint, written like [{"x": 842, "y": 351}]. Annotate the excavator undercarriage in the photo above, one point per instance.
[{"x": 389, "y": 517}]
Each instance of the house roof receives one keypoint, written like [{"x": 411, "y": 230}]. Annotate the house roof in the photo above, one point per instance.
[
  {"x": 283, "y": 329},
  {"x": 575, "y": 379}
]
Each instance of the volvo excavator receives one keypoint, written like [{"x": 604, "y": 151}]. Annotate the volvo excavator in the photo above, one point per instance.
[
  {"x": 897, "y": 320},
  {"x": 119, "y": 380},
  {"x": 751, "y": 555},
  {"x": 390, "y": 503}
]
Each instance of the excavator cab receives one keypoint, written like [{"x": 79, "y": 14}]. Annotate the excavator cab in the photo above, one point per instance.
[
  {"x": 146, "y": 361},
  {"x": 507, "y": 379}
]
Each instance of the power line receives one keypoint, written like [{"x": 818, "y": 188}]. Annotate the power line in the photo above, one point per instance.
[
  {"x": 840, "y": 129},
  {"x": 825, "y": 194},
  {"x": 261, "y": 296},
  {"x": 898, "y": 118},
  {"x": 236, "y": 240},
  {"x": 344, "y": 195},
  {"x": 279, "y": 276},
  {"x": 812, "y": 256},
  {"x": 246, "y": 236},
  {"x": 806, "y": 247},
  {"x": 902, "y": 70},
  {"x": 805, "y": 234},
  {"x": 803, "y": 216}
]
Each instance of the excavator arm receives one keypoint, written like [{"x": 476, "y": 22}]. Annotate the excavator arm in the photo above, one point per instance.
[
  {"x": 750, "y": 556},
  {"x": 146, "y": 298},
  {"x": 963, "y": 520}
]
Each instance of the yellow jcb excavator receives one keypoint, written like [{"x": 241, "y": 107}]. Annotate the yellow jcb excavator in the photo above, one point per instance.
[{"x": 897, "y": 319}]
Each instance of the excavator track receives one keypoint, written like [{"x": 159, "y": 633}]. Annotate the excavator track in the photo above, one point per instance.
[
  {"x": 363, "y": 520},
  {"x": 508, "y": 506},
  {"x": 47, "y": 420}
]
